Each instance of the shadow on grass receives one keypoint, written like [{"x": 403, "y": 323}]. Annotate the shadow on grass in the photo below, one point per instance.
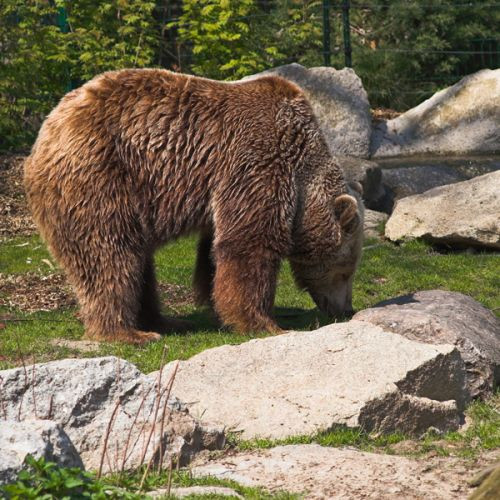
[{"x": 288, "y": 318}]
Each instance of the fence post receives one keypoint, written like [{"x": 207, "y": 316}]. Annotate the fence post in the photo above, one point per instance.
[
  {"x": 347, "y": 33},
  {"x": 326, "y": 33}
]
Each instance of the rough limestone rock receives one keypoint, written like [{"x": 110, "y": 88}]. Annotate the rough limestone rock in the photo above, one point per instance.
[
  {"x": 372, "y": 223},
  {"x": 367, "y": 173},
  {"x": 39, "y": 438},
  {"x": 321, "y": 472},
  {"x": 352, "y": 374},
  {"x": 214, "y": 491},
  {"x": 85, "y": 395},
  {"x": 465, "y": 213},
  {"x": 440, "y": 317},
  {"x": 462, "y": 119},
  {"x": 489, "y": 487},
  {"x": 339, "y": 102}
]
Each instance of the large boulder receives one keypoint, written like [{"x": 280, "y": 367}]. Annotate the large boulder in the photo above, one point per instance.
[
  {"x": 440, "y": 317},
  {"x": 106, "y": 400},
  {"x": 39, "y": 438},
  {"x": 466, "y": 214},
  {"x": 339, "y": 102},
  {"x": 462, "y": 119},
  {"x": 317, "y": 472},
  {"x": 353, "y": 374}
]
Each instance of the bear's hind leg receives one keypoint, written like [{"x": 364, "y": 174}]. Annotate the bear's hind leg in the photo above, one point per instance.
[
  {"x": 244, "y": 290},
  {"x": 204, "y": 272},
  {"x": 108, "y": 288},
  {"x": 150, "y": 317}
]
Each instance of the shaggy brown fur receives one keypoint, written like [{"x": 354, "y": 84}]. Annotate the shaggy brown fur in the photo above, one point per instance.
[{"x": 136, "y": 158}]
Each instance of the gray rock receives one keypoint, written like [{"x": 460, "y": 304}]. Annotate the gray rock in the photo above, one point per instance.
[
  {"x": 367, "y": 173},
  {"x": 372, "y": 223},
  {"x": 304, "y": 382},
  {"x": 339, "y": 102},
  {"x": 460, "y": 119},
  {"x": 439, "y": 317},
  {"x": 407, "y": 181},
  {"x": 39, "y": 438},
  {"x": 220, "y": 491},
  {"x": 465, "y": 213},
  {"x": 318, "y": 472},
  {"x": 85, "y": 395}
]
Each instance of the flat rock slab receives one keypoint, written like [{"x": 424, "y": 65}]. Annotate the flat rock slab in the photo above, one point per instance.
[
  {"x": 441, "y": 317},
  {"x": 462, "y": 118},
  {"x": 340, "y": 103},
  {"x": 353, "y": 374},
  {"x": 321, "y": 472},
  {"x": 106, "y": 398},
  {"x": 465, "y": 213},
  {"x": 39, "y": 438},
  {"x": 213, "y": 491}
]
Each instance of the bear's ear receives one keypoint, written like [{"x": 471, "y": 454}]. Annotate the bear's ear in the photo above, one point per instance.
[{"x": 346, "y": 210}]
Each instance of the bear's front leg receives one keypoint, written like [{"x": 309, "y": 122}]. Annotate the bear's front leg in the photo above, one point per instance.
[{"x": 244, "y": 289}]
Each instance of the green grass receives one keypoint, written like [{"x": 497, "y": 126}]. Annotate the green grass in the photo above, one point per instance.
[
  {"x": 23, "y": 255},
  {"x": 386, "y": 271}
]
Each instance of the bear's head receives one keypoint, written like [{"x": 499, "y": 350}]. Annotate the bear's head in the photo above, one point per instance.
[{"x": 328, "y": 242}]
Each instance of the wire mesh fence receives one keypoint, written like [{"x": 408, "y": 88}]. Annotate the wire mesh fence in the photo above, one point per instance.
[{"x": 404, "y": 51}]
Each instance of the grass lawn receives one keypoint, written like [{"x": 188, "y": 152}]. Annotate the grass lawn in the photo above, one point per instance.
[{"x": 387, "y": 270}]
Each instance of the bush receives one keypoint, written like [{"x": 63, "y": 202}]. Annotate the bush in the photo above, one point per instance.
[{"x": 47, "y": 481}]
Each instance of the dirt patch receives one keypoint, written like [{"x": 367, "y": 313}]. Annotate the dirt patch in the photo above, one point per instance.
[
  {"x": 346, "y": 473},
  {"x": 31, "y": 292},
  {"x": 174, "y": 296},
  {"x": 15, "y": 219},
  {"x": 77, "y": 345}
]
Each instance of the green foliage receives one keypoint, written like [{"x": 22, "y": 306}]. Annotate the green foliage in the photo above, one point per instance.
[
  {"x": 223, "y": 37},
  {"x": 48, "y": 47},
  {"x": 401, "y": 50},
  {"x": 44, "y": 480}
]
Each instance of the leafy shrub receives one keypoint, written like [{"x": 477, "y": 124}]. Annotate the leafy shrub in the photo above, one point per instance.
[
  {"x": 46, "y": 48},
  {"x": 44, "y": 480}
]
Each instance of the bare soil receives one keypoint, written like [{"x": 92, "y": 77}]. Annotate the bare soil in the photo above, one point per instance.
[{"x": 15, "y": 219}]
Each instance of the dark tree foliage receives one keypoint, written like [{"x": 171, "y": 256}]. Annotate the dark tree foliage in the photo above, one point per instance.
[{"x": 403, "y": 50}]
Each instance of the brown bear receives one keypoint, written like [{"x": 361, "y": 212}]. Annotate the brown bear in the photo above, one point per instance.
[{"x": 136, "y": 158}]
